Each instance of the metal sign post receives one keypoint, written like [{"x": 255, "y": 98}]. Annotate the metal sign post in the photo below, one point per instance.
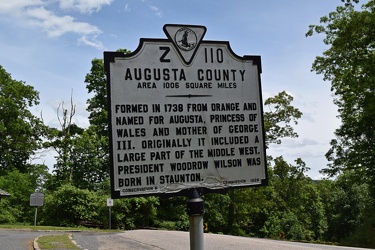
[
  {"x": 184, "y": 114},
  {"x": 109, "y": 205},
  {"x": 35, "y": 215},
  {"x": 195, "y": 210}
]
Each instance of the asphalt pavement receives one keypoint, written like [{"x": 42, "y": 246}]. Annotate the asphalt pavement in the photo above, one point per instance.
[
  {"x": 20, "y": 239},
  {"x": 177, "y": 240},
  {"x": 153, "y": 240}
]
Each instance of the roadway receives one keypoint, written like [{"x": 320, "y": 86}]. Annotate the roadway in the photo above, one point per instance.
[{"x": 154, "y": 240}]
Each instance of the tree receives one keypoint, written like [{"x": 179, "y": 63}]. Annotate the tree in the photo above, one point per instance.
[
  {"x": 277, "y": 125},
  {"x": 89, "y": 160},
  {"x": 98, "y": 131},
  {"x": 97, "y": 105},
  {"x": 346, "y": 203},
  {"x": 16, "y": 208},
  {"x": 298, "y": 195},
  {"x": 290, "y": 204},
  {"x": 62, "y": 142},
  {"x": 349, "y": 64},
  {"x": 68, "y": 205},
  {"x": 278, "y": 118},
  {"x": 20, "y": 131}
]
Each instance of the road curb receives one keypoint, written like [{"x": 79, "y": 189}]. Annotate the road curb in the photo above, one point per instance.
[
  {"x": 35, "y": 244},
  {"x": 73, "y": 241}
]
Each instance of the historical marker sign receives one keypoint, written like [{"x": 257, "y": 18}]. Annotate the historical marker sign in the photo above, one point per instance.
[
  {"x": 184, "y": 113},
  {"x": 36, "y": 199}
]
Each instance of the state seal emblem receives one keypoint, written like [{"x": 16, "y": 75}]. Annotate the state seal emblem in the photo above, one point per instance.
[{"x": 186, "y": 39}]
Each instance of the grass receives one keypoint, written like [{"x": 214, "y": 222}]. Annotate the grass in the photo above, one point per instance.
[
  {"x": 53, "y": 228},
  {"x": 42, "y": 228},
  {"x": 61, "y": 241}
]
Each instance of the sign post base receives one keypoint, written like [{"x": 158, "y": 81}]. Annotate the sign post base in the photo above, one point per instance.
[{"x": 195, "y": 210}]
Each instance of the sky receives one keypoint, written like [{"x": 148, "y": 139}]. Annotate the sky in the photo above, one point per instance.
[{"x": 49, "y": 44}]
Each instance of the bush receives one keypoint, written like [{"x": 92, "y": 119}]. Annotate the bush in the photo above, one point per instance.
[
  {"x": 7, "y": 213},
  {"x": 68, "y": 205},
  {"x": 286, "y": 224},
  {"x": 131, "y": 213},
  {"x": 363, "y": 236},
  {"x": 16, "y": 208}
]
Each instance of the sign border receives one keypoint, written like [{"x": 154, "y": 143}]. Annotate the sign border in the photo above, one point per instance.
[
  {"x": 110, "y": 56},
  {"x": 36, "y": 196}
]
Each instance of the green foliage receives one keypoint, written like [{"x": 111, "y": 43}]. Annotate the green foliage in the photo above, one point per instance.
[
  {"x": 136, "y": 212},
  {"x": 171, "y": 213},
  {"x": 216, "y": 212},
  {"x": 62, "y": 142},
  {"x": 144, "y": 210},
  {"x": 16, "y": 208},
  {"x": 290, "y": 204},
  {"x": 89, "y": 150},
  {"x": 76, "y": 148},
  {"x": 20, "y": 131},
  {"x": 68, "y": 205},
  {"x": 347, "y": 204},
  {"x": 349, "y": 64},
  {"x": 298, "y": 195},
  {"x": 97, "y": 105},
  {"x": 286, "y": 224},
  {"x": 9, "y": 214},
  {"x": 278, "y": 118},
  {"x": 363, "y": 236}
]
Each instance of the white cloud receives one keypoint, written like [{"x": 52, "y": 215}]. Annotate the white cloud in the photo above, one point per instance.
[
  {"x": 127, "y": 8},
  {"x": 156, "y": 10},
  {"x": 84, "y": 6},
  {"x": 153, "y": 8},
  {"x": 91, "y": 41},
  {"x": 308, "y": 116},
  {"x": 15, "y": 7},
  {"x": 35, "y": 13},
  {"x": 56, "y": 26},
  {"x": 298, "y": 143}
]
